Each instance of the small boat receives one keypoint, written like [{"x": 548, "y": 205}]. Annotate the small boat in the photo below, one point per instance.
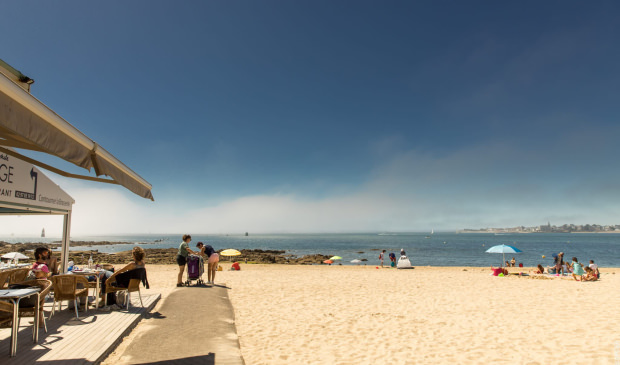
[{"x": 43, "y": 233}]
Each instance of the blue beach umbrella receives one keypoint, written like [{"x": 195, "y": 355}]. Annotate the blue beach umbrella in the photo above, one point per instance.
[{"x": 503, "y": 249}]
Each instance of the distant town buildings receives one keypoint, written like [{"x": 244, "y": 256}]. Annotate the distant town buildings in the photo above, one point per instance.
[{"x": 548, "y": 228}]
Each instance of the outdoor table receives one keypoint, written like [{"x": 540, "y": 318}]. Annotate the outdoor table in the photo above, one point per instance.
[
  {"x": 15, "y": 295},
  {"x": 13, "y": 266},
  {"x": 95, "y": 273}
]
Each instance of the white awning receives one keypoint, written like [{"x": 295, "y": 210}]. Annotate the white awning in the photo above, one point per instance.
[{"x": 27, "y": 123}]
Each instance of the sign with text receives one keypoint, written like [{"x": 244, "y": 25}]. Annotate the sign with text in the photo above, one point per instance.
[{"x": 22, "y": 183}]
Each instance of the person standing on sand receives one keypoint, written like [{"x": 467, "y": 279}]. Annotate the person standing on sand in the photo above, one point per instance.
[
  {"x": 212, "y": 259},
  {"x": 184, "y": 250},
  {"x": 382, "y": 257},
  {"x": 559, "y": 262}
]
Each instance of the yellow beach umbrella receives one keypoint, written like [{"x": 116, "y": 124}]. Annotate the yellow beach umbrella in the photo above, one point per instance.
[{"x": 230, "y": 252}]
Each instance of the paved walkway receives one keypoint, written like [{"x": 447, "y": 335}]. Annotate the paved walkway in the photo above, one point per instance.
[{"x": 195, "y": 325}]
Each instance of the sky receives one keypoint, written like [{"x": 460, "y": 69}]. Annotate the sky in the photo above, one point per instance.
[{"x": 330, "y": 116}]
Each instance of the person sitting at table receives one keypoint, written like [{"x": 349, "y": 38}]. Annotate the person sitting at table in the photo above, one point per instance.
[
  {"x": 121, "y": 278},
  {"x": 39, "y": 268},
  {"x": 51, "y": 262}
]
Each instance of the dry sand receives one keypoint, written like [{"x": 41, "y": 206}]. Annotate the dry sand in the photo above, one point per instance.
[{"x": 362, "y": 315}]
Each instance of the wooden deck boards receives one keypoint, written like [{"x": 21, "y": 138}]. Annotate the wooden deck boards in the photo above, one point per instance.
[{"x": 70, "y": 341}]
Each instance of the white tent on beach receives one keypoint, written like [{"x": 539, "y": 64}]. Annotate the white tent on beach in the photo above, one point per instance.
[{"x": 28, "y": 124}]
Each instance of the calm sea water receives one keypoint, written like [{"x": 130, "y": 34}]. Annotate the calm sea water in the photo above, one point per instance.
[{"x": 441, "y": 249}]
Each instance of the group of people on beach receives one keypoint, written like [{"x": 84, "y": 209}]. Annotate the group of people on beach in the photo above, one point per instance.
[
  {"x": 206, "y": 251},
  {"x": 392, "y": 257},
  {"x": 579, "y": 271}
]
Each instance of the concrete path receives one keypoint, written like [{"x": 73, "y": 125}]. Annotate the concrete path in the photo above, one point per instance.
[{"x": 195, "y": 325}]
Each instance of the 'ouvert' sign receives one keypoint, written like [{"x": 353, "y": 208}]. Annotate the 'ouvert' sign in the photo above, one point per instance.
[{"x": 22, "y": 183}]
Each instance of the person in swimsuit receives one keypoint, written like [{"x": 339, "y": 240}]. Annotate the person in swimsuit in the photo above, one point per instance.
[
  {"x": 590, "y": 275},
  {"x": 212, "y": 259}
]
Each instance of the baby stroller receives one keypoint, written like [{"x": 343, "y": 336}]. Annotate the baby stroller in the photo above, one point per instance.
[{"x": 195, "y": 269}]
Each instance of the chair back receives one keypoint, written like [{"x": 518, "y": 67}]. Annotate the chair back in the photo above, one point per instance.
[
  {"x": 46, "y": 288},
  {"x": 4, "y": 278},
  {"x": 134, "y": 285},
  {"x": 64, "y": 287},
  {"x": 18, "y": 275},
  {"x": 6, "y": 314}
]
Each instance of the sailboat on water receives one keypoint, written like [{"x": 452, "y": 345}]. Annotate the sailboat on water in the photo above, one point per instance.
[
  {"x": 43, "y": 232},
  {"x": 432, "y": 233}
]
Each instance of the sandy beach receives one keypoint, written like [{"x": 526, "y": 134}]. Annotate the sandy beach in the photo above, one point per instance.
[{"x": 300, "y": 314}]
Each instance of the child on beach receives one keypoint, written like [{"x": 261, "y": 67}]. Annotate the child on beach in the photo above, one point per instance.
[
  {"x": 392, "y": 259},
  {"x": 513, "y": 262},
  {"x": 590, "y": 275},
  {"x": 381, "y": 257},
  {"x": 577, "y": 269},
  {"x": 212, "y": 258}
]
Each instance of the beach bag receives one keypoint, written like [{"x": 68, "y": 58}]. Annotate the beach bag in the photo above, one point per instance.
[{"x": 121, "y": 298}]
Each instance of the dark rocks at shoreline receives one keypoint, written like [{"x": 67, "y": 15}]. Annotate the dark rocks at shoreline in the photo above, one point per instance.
[{"x": 158, "y": 255}]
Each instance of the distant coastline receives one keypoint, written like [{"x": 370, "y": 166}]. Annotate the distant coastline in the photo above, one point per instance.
[{"x": 548, "y": 228}]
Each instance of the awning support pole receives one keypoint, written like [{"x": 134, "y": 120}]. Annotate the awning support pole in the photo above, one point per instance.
[{"x": 66, "y": 229}]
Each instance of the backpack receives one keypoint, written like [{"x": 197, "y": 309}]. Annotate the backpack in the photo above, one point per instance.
[{"x": 121, "y": 298}]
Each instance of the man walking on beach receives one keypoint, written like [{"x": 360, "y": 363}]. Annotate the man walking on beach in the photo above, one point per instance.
[{"x": 381, "y": 257}]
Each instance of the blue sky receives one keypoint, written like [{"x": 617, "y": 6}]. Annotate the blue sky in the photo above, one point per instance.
[{"x": 276, "y": 116}]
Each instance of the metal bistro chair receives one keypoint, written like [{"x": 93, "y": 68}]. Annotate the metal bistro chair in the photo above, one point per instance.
[
  {"x": 46, "y": 287},
  {"x": 66, "y": 288},
  {"x": 6, "y": 308},
  {"x": 134, "y": 286}
]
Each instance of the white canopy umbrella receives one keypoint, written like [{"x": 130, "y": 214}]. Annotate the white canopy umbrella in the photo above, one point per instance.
[{"x": 14, "y": 256}]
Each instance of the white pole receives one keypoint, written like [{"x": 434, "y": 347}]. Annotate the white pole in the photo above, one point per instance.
[{"x": 66, "y": 229}]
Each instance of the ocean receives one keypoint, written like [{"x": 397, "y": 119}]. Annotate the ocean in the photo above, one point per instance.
[{"x": 439, "y": 249}]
